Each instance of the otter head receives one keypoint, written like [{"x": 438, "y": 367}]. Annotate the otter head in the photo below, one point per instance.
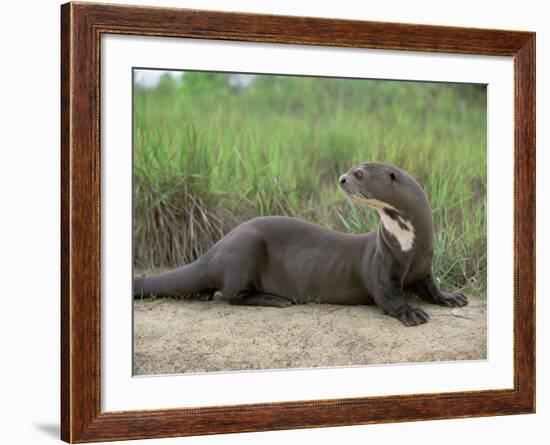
[{"x": 402, "y": 204}]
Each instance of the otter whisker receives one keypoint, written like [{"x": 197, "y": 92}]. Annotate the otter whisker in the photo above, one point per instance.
[{"x": 366, "y": 195}]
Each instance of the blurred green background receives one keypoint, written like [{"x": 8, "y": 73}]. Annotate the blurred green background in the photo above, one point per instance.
[{"x": 212, "y": 150}]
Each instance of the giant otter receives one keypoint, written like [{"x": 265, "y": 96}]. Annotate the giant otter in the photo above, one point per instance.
[{"x": 277, "y": 260}]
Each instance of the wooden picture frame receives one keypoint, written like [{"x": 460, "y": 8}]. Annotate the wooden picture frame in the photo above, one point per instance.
[{"x": 82, "y": 26}]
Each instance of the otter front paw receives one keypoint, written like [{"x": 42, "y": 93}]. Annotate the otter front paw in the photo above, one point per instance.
[
  {"x": 413, "y": 317},
  {"x": 456, "y": 299}
]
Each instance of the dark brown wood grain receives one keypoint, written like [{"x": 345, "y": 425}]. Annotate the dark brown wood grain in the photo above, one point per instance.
[{"x": 81, "y": 28}]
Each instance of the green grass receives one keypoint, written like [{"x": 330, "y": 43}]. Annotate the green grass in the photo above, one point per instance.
[{"x": 208, "y": 157}]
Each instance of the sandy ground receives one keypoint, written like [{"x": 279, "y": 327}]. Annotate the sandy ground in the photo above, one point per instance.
[{"x": 181, "y": 336}]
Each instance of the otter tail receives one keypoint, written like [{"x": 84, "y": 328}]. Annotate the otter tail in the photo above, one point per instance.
[{"x": 183, "y": 281}]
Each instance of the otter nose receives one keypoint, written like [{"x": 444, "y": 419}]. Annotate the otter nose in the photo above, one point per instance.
[{"x": 342, "y": 179}]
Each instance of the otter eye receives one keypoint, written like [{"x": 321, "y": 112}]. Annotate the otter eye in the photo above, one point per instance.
[
  {"x": 392, "y": 176},
  {"x": 358, "y": 174}
]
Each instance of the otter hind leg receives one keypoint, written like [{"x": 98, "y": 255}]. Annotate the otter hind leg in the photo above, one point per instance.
[
  {"x": 429, "y": 291},
  {"x": 252, "y": 298},
  {"x": 269, "y": 300}
]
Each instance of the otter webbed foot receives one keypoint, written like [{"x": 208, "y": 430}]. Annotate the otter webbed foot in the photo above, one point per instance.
[
  {"x": 267, "y": 300},
  {"x": 258, "y": 299},
  {"x": 456, "y": 299},
  {"x": 393, "y": 303},
  {"x": 413, "y": 317},
  {"x": 429, "y": 290}
]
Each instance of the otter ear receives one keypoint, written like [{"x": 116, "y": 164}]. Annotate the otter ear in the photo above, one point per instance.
[{"x": 393, "y": 177}]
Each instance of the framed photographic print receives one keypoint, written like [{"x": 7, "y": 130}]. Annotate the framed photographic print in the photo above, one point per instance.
[{"x": 274, "y": 222}]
